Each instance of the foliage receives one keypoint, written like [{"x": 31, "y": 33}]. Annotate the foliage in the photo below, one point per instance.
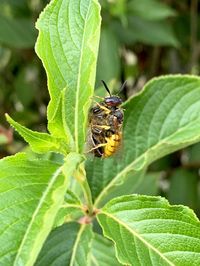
[{"x": 60, "y": 205}]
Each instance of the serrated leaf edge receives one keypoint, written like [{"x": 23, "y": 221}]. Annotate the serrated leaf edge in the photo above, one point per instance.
[{"x": 157, "y": 79}]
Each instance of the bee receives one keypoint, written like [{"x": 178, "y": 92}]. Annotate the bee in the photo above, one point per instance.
[{"x": 106, "y": 120}]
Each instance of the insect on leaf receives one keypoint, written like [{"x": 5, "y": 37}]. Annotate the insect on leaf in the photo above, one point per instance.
[{"x": 161, "y": 119}]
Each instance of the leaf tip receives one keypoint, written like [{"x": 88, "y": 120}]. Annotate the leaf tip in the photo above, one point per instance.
[{"x": 8, "y": 118}]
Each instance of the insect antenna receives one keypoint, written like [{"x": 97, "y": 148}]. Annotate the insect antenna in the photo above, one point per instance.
[
  {"x": 122, "y": 87},
  {"x": 106, "y": 87}
]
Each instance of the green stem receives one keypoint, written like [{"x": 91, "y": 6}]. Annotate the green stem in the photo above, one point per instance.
[
  {"x": 88, "y": 196},
  {"x": 81, "y": 178}
]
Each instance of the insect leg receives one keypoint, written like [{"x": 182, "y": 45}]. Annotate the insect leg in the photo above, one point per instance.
[
  {"x": 107, "y": 111},
  {"x": 101, "y": 126},
  {"x": 97, "y": 146},
  {"x": 95, "y": 141}
]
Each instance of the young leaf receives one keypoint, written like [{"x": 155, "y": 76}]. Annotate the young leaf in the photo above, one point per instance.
[
  {"x": 38, "y": 141},
  {"x": 66, "y": 245},
  {"x": 31, "y": 192},
  {"x": 103, "y": 253},
  {"x": 163, "y": 118},
  {"x": 67, "y": 45},
  {"x": 148, "y": 231}
]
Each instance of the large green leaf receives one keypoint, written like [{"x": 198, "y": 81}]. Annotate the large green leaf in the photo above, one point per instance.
[
  {"x": 103, "y": 253},
  {"x": 148, "y": 231},
  {"x": 31, "y": 192},
  {"x": 67, "y": 245},
  {"x": 67, "y": 45},
  {"x": 163, "y": 118}
]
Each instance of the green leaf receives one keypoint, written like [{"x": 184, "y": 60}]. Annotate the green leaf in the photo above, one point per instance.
[
  {"x": 150, "y": 10},
  {"x": 67, "y": 45},
  {"x": 108, "y": 66},
  {"x": 31, "y": 192},
  {"x": 148, "y": 231},
  {"x": 161, "y": 119},
  {"x": 17, "y": 33},
  {"x": 39, "y": 142},
  {"x": 103, "y": 253},
  {"x": 66, "y": 245}
]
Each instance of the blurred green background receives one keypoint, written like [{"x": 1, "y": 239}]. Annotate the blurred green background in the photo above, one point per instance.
[{"x": 139, "y": 40}]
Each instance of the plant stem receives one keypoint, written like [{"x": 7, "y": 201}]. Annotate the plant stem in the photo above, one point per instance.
[
  {"x": 81, "y": 178},
  {"x": 88, "y": 196}
]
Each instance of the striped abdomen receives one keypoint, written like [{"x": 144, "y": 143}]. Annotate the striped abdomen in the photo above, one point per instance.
[{"x": 112, "y": 145}]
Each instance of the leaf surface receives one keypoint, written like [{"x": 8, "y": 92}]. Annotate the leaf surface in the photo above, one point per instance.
[
  {"x": 31, "y": 193},
  {"x": 66, "y": 245},
  {"x": 67, "y": 45},
  {"x": 163, "y": 118},
  {"x": 148, "y": 231}
]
